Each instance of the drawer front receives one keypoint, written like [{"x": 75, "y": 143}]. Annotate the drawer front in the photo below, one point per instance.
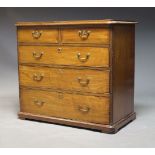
[
  {"x": 39, "y": 35},
  {"x": 63, "y": 55},
  {"x": 66, "y": 79},
  {"x": 86, "y": 35},
  {"x": 62, "y": 105}
]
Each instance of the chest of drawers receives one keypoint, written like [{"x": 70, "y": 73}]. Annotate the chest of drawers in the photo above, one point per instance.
[{"x": 77, "y": 73}]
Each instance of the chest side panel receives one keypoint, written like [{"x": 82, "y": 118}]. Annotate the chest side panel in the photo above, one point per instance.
[{"x": 123, "y": 71}]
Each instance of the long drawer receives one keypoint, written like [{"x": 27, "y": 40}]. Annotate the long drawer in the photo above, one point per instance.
[
  {"x": 86, "y": 80},
  {"x": 70, "y": 106},
  {"x": 64, "y": 55}
]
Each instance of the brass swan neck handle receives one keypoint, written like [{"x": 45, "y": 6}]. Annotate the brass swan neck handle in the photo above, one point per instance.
[{"x": 83, "y": 59}]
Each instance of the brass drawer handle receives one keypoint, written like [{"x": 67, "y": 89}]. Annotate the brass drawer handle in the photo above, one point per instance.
[
  {"x": 84, "y": 109},
  {"x": 37, "y": 55},
  {"x": 37, "y": 77},
  {"x": 36, "y": 34},
  {"x": 38, "y": 102},
  {"x": 84, "y": 34},
  {"x": 83, "y": 59},
  {"x": 83, "y": 83}
]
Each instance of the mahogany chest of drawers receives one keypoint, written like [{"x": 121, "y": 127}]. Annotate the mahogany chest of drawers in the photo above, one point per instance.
[{"x": 77, "y": 73}]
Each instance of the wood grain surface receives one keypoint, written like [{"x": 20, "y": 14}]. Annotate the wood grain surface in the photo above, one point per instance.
[
  {"x": 78, "y": 73},
  {"x": 71, "y": 106},
  {"x": 97, "y": 35},
  {"x": 66, "y": 79},
  {"x": 123, "y": 71},
  {"x": 48, "y": 35},
  {"x": 76, "y": 22},
  {"x": 65, "y": 55}
]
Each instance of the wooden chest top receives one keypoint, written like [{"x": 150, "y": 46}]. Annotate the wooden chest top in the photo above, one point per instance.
[{"x": 76, "y": 22}]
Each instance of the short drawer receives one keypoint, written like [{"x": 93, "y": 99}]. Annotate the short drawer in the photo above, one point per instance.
[
  {"x": 64, "y": 55},
  {"x": 66, "y": 79},
  {"x": 62, "y": 105},
  {"x": 86, "y": 35},
  {"x": 37, "y": 35}
]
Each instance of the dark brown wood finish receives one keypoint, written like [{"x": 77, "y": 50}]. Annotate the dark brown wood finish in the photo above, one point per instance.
[
  {"x": 100, "y": 127},
  {"x": 123, "y": 70}
]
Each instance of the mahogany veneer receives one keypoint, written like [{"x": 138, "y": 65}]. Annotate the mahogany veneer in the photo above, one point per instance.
[{"x": 77, "y": 73}]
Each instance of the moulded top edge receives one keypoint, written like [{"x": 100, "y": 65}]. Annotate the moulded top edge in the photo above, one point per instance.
[{"x": 77, "y": 22}]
